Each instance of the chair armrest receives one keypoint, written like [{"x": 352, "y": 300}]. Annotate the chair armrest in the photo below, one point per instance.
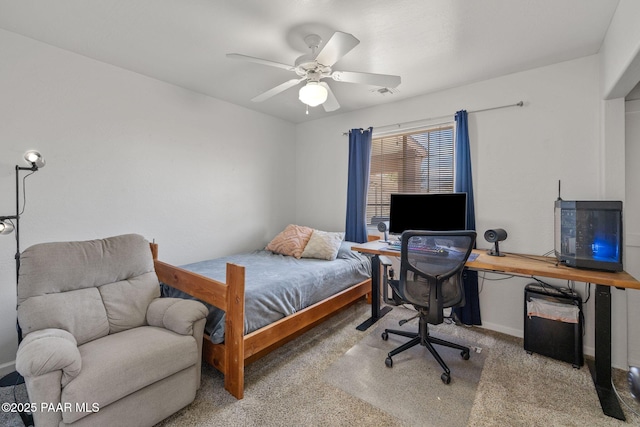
[
  {"x": 176, "y": 314},
  {"x": 385, "y": 260},
  {"x": 49, "y": 350}
]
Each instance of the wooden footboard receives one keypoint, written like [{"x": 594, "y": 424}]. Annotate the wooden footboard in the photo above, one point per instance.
[{"x": 238, "y": 349}]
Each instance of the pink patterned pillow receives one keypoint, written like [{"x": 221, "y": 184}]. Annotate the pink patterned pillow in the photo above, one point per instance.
[{"x": 291, "y": 241}]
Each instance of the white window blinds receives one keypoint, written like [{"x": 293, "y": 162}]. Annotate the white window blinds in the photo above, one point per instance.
[{"x": 416, "y": 162}]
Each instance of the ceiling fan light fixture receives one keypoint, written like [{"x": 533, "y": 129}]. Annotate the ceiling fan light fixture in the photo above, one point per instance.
[{"x": 313, "y": 94}]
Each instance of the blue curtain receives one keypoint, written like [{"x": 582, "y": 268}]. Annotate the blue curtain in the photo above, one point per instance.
[
  {"x": 470, "y": 313},
  {"x": 359, "y": 161}
]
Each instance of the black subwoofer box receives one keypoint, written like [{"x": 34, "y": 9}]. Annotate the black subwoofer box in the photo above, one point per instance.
[{"x": 550, "y": 336}]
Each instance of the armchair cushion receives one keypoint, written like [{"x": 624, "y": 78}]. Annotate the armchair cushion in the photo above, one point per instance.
[
  {"x": 117, "y": 365},
  {"x": 126, "y": 301},
  {"x": 176, "y": 314},
  {"x": 66, "y": 266},
  {"x": 80, "y": 312},
  {"x": 49, "y": 350}
]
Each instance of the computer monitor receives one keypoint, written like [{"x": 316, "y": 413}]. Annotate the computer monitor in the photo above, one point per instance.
[{"x": 432, "y": 211}]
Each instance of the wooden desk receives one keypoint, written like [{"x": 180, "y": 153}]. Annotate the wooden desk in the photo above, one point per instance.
[{"x": 531, "y": 266}]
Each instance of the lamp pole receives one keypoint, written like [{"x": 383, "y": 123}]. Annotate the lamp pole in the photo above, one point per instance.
[
  {"x": 14, "y": 378},
  {"x": 16, "y": 217}
]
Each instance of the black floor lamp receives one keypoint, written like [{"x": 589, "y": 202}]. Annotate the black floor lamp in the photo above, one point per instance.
[{"x": 7, "y": 225}]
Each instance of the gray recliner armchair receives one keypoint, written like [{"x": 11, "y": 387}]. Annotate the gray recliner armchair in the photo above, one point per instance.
[{"x": 100, "y": 347}]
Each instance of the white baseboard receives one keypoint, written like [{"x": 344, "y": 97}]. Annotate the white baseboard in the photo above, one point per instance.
[
  {"x": 634, "y": 362},
  {"x": 503, "y": 329},
  {"x": 7, "y": 368}
]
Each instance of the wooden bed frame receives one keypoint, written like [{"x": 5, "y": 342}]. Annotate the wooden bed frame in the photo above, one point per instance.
[{"x": 238, "y": 349}]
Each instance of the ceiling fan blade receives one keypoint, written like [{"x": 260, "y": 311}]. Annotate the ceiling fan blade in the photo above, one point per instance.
[
  {"x": 261, "y": 61},
  {"x": 276, "y": 90},
  {"x": 331, "y": 104},
  {"x": 382, "y": 80},
  {"x": 338, "y": 46}
]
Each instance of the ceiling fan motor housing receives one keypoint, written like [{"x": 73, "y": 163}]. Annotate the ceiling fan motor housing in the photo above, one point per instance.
[{"x": 313, "y": 41}]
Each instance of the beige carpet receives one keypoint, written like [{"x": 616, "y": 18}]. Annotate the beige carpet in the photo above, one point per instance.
[
  {"x": 411, "y": 390},
  {"x": 517, "y": 389},
  {"x": 286, "y": 387},
  {"x": 289, "y": 387}
]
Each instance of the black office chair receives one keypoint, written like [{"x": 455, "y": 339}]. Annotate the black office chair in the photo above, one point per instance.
[{"x": 431, "y": 268}]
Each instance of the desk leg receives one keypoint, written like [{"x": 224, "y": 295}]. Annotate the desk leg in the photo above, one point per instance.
[
  {"x": 601, "y": 367},
  {"x": 376, "y": 311}
]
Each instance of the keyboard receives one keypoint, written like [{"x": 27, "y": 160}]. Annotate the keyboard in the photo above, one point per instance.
[{"x": 396, "y": 246}]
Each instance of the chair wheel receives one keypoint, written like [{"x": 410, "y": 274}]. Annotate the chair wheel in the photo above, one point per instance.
[
  {"x": 465, "y": 354},
  {"x": 388, "y": 362},
  {"x": 385, "y": 336},
  {"x": 446, "y": 378}
]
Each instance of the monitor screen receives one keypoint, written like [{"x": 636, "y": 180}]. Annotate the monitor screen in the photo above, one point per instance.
[{"x": 433, "y": 211}]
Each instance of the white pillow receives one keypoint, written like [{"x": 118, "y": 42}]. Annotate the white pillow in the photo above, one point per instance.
[{"x": 323, "y": 245}]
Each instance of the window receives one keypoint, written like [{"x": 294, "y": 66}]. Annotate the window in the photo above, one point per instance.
[{"x": 416, "y": 162}]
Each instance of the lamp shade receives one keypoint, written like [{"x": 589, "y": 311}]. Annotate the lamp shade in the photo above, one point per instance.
[
  {"x": 313, "y": 94},
  {"x": 35, "y": 158},
  {"x": 5, "y": 227}
]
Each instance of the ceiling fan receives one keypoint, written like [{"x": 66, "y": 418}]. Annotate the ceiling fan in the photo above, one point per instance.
[{"x": 313, "y": 67}]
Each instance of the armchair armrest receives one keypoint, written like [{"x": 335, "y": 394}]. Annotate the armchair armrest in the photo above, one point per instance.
[
  {"x": 49, "y": 350},
  {"x": 176, "y": 314}
]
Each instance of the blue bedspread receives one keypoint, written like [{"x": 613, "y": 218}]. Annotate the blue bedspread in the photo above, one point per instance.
[{"x": 277, "y": 285}]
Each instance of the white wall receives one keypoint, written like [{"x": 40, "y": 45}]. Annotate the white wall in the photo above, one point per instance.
[
  {"x": 632, "y": 226},
  {"x": 620, "y": 52},
  {"x": 620, "y": 74},
  {"x": 126, "y": 153},
  {"x": 518, "y": 156}
]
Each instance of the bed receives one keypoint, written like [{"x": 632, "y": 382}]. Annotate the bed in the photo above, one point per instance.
[{"x": 260, "y": 300}]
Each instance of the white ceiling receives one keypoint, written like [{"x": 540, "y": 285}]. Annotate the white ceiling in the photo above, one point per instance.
[{"x": 431, "y": 44}]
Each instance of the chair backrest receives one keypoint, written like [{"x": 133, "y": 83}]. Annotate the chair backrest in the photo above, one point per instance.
[
  {"x": 90, "y": 289},
  {"x": 431, "y": 266}
]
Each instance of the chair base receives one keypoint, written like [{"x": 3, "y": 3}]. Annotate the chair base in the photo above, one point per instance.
[{"x": 423, "y": 338}]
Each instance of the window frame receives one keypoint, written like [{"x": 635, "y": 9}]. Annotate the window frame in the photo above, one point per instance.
[{"x": 387, "y": 161}]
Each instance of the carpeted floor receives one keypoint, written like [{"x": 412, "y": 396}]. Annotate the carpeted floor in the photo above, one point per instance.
[
  {"x": 411, "y": 389},
  {"x": 289, "y": 387}
]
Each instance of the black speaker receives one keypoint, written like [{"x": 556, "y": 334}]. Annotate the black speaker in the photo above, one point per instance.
[
  {"x": 383, "y": 226},
  {"x": 494, "y": 236}
]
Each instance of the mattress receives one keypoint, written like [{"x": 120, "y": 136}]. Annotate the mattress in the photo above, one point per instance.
[{"x": 277, "y": 286}]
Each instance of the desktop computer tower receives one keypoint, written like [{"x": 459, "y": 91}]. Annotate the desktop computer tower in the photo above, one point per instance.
[{"x": 553, "y": 323}]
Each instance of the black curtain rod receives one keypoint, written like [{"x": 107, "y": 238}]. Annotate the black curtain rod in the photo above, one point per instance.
[{"x": 399, "y": 125}]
